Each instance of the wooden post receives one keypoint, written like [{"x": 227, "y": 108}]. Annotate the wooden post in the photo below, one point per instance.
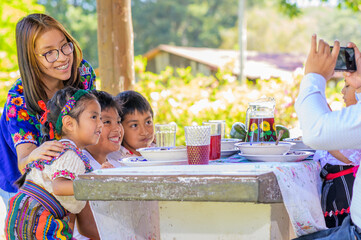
[
  {"x": 242, "y": 38},
  {"x": 115, "y": 45}
]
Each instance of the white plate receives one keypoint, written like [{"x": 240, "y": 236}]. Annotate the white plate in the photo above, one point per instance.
[
  {"x": 227, "y": 153},
  {"x": 142, "y": 162},
  {"x": 264, "y": 148},
  {"x": 164, "y": 153},
  {"x": 299, "y": 145},
  {"x": 291, "y": 156},
  {"x": 228, "y": 143}
]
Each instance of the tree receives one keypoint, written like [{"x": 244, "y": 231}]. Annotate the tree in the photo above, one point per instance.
[{"x": 197, "y": 23}]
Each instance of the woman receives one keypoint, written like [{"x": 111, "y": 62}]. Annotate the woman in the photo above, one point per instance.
[{"x": 49, "y": 59}]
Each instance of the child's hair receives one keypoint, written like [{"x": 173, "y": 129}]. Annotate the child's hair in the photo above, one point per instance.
[
  {"x": 132, "y": 101},
  {"x": 67, "y": 101},
  {"x": 73, "y": 100},
  {"x": 28, "y": 30},
  {"x": 107, "y": 101}
]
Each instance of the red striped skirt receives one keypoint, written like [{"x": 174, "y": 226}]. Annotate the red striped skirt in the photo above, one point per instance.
[{"x": 27, "y": 219}]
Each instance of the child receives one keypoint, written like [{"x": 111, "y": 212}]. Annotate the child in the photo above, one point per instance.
[
  {"x": 112, "y": 134},
  {"x": 109, "y": 141},
  {"x": 137, "y": 121},
  {"x": 46, "y": 198},
  {"x": 338, "y": 174}
]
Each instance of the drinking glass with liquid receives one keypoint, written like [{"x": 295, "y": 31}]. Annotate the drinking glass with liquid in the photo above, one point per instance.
[
  {"x": 215, "y": 146},
  {"x": 197, "y": 141},
  {"x": 165, "y": 134}
]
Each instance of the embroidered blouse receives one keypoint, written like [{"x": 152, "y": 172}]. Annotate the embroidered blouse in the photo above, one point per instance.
[
  {"x": 70, "y": 163},
  {"x": 18, "y": 126}
]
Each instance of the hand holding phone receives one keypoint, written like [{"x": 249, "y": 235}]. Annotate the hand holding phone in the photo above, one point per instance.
[{"x": 346, "y": 60}]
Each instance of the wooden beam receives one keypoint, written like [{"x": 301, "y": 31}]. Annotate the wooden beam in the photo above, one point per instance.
[{"x": 115, "y": 45}]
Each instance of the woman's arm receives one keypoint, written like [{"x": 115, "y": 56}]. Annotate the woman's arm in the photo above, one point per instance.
[
  {"x": 63, "y": 186},
  {"x": 86, "y": 223},
  {"x": 28, "y": 152}
]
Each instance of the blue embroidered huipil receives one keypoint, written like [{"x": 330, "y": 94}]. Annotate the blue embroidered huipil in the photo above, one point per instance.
[{"x": 18, "y": 126}]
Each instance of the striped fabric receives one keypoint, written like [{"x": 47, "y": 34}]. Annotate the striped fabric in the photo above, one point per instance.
[
  {"x": 48, "y": 201},
  {"x": 336, "y": 194},
  {"x": 27, "y": 218}
]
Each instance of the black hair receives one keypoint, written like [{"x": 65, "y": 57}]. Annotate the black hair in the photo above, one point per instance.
[
  {"x": 132, "y": 101},
  {"x": 55, "y": 105},
  {"x": 107, "y": 101}
]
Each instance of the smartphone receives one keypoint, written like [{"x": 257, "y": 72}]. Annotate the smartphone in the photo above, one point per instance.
[{"x": 346, "y": 60}]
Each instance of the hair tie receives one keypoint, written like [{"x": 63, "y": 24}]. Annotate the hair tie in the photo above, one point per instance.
[
  {"x": 51, "y": 131},
  {"x": 44, "y": 116},
  {"x": 68, "y": 107}
]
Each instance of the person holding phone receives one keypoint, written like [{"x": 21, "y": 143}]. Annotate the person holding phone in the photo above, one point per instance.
[
  {"x": 337, "y": 172},
  {"x": 327, "y": 130}
]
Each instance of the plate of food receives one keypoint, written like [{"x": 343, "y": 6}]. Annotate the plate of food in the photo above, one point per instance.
[
  {"x": 291, "y": 156},
  {"x": 142, "y": 162},
  {"x": 299, "y": 145}
]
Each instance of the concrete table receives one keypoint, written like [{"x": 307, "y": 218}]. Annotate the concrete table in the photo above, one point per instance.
[{"x": 231, "y": 201}]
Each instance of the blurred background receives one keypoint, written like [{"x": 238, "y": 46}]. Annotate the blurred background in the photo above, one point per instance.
[{"x": 187, "y": 52}]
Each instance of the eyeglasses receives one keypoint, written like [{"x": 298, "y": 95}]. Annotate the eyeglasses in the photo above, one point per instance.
[{"x": 53, "y": 55}]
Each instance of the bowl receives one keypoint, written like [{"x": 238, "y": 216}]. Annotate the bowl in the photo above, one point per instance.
[
  {"x": 299, "y": 145},
  {"x": 264, "y": 148},
  {"x": 164, "y": 153},
  {"x": 228, "y": 143}
]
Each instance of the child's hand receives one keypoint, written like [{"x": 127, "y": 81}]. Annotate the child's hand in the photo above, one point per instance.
[{"x": 107, "y": 165}]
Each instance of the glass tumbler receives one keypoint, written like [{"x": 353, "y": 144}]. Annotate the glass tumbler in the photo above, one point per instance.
[
  {"x": 223, "y": 127},
  {"x": 197, "y": 141},
  {"x": 215, "y": 146},
  {"x": 165, "y": 134}
]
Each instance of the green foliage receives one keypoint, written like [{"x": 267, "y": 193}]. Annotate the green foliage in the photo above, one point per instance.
[
  {"x": 194, "y": 23},
  {"x": 79, "y": 17},
  {"x": 289, "y": 9},
  {"x": 11, "y": 12},
  {"x": 178, "y": 96}
]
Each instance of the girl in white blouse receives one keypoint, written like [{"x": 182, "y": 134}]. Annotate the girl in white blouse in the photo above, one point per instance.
[{"x": 46, "y": 194}]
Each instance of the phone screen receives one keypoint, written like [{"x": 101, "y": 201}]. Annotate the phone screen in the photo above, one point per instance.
[{"x": 346, "y": 60}]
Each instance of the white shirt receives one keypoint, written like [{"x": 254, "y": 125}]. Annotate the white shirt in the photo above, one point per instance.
[
  {"x": 327, "y": 130},
  {"x": 354, "y": 155},
  {"x": 96, "y": 165}
]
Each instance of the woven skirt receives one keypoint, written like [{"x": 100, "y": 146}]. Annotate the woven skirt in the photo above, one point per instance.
[
  {"x": 28, "y": 219},
  {"x": 336, "y": 195}
]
